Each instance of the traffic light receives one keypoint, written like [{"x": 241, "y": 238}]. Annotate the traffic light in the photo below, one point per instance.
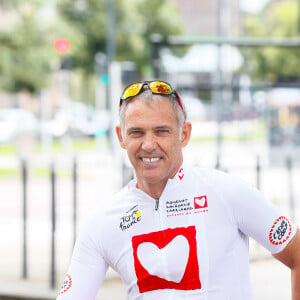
[
  {"x": 66, "y": 63},
  {"x": 62, "y": 46},
  {"x": 101, "y": 68}
]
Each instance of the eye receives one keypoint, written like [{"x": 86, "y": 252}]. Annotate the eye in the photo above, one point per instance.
[
  {"x": 163, "y": 131},
  {"x": 135, "y": 132}
]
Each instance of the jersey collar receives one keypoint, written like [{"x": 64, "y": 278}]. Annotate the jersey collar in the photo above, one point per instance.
[{"x": 179, "y": 177}]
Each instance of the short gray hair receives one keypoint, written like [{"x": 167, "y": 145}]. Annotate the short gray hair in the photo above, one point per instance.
[{"x": 146, "y": 95}]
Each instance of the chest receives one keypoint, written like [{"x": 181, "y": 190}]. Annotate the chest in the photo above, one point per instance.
[{"x": 174, "y": 245}]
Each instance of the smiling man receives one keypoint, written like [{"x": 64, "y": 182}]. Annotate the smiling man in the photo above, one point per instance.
[{"x": 176, "y": 231}]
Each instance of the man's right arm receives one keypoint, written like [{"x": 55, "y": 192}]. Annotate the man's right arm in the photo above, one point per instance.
[
  {"x": 82, "y": 281},
  {"x": 87, "y": 270}
]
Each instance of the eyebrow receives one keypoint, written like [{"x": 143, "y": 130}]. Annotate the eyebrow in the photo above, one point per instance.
[
  {"x": 153, "y": 128},
  {"x": 163, "y": 127}
]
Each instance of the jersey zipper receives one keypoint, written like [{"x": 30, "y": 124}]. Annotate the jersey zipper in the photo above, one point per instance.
[
  {"x": 156, "y": 204},
  {"x": 157, "y": 211}
]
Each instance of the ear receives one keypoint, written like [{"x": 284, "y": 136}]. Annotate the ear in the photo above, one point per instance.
[
  {"x": 120, "y": 137},
  {"x": 186, "y": 134}
]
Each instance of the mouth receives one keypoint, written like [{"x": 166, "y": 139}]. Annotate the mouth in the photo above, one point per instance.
[{"x": 150, "y": 159}]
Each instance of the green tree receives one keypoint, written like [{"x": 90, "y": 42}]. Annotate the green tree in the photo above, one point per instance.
[
  {"x": 25, "y": 53},
  {"x": 136, "y": 20},
  {"x": 278, "y": 20},
  {"x": 27, "y": 57}
]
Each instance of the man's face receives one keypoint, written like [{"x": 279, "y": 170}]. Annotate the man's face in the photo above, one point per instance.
[{"x": 152, "y": 139}]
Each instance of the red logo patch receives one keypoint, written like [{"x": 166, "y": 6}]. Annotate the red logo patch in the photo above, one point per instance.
[
  {"x": 154, "y": 254},
  {"x": 200, "y": 202},
  {"x": 66, "y": 285},
  {"x": 180, "y": 174},
  {"x": 280, "y": 231}
]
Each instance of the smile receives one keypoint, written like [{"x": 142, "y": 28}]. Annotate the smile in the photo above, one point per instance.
[{"x": 150, "y": 159}]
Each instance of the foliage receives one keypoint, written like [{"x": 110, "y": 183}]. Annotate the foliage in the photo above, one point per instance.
[
  {"x": 24, "y": 51},
  {"x": 15, "y": 4},
  {"x": 27, "y": 57},
  {"x": 278, "y": 20},
  {"x": 135, "y": 21}
]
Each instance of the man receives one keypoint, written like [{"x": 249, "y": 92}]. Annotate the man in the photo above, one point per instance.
[{"x": 175, "y": 231}]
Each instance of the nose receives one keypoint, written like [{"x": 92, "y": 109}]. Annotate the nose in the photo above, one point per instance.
[{"x": 149, "y": 143}]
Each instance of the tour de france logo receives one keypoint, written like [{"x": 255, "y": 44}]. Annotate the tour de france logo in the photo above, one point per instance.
[
  {"x": 280, "y": 231},
  {"x": 130, "y": 218}
]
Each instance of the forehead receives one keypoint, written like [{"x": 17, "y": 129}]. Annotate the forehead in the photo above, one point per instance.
[{"x": 156, "y": 108}]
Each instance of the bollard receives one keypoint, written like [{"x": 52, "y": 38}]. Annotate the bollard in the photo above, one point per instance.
[
  {"x": 24, "y": 189},
  {"x": 218, "y": 164},
  {"x": 258, "y": 171},
  {"x": 289, "y": 166},
  {"x": 53, "y": 225},
  {"x": 74, "y": 199}
]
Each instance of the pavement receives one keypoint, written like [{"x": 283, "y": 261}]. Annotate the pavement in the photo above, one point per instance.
[
  {"x": 112, "y": 289},
  {"x": 270, "y": 281},
  {"x": 99, "y": 177}
]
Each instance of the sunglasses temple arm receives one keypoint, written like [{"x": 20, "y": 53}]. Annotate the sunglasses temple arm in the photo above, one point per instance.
[{"x": 179, "y": 100}]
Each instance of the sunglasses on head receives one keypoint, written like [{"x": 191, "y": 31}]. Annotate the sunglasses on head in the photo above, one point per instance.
[{"x": 156, "y": 87}]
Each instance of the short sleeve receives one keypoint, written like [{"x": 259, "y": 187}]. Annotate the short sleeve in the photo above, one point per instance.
[{"x": 257, "y": 217}]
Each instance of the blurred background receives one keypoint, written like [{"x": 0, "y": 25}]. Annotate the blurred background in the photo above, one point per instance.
[{"x": 63, "y": 64}]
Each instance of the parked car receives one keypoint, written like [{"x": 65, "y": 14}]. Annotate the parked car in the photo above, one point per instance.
[
  {"x": 15, "y": 122},
  {"x": 283, "y": 124},
  {"x": 77, "y": 121}
]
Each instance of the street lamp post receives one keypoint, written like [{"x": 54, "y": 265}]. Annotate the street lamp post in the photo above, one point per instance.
[{"x": 110, "y": 56}]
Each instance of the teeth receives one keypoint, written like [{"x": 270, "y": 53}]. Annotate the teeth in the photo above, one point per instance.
[{"x": 151, "y": 160}]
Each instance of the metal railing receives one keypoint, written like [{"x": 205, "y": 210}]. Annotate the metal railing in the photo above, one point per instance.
[{"x": 257, "y": 170}]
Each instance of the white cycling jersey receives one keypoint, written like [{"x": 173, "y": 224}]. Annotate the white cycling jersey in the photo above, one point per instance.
[{"x": 192, "y": 244}]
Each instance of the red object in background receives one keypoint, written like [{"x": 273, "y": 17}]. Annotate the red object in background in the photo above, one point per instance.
[{"x": 62, "y": 46}]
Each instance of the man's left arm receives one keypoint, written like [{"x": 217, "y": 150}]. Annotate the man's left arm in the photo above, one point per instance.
[{"x": 290, "y": 256}]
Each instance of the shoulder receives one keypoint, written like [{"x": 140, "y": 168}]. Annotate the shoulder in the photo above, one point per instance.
[
  {"x": 213, "y": 176},
  {"x": 103, "y": 223},
  {"x": 223, "y": 184},
  {"x": 99, "y": 220},
  {"x": 116, "y": 203}
]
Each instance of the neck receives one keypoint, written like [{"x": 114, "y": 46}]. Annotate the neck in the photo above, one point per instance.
[{"x": 152, "y": 189}]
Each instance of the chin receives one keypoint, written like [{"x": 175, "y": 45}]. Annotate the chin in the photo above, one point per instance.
[{"x": 153, "y": 178}]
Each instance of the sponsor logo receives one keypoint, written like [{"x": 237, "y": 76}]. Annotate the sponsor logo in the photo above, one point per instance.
[
  {"x": 179, "y": 207},
  {"x": 180, "y": 174},
  {"x": 66, "y": 285},
  {"x": 200, "y": 202},
  {"x": 280, "y": 231},
  {"x": 154, "y": 255},
  {"x": 130, "y": 218},
  {"x": 184, "y": 207}
]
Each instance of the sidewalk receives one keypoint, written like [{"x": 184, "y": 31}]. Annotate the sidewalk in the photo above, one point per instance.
[
  {"x": 112, "y": 289},
  {"x": 270, "y": 281}
]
